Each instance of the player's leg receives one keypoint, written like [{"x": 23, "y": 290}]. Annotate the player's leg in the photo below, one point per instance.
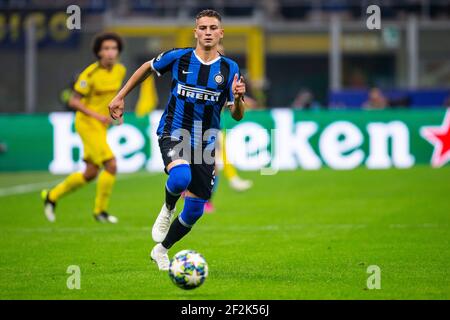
[
  {"x": 105, "y": 184},
  {"x": 178, "y": 181},
  {"x": 180, "y": 227},
  {"x": 71, "y": 183},
  {"x": 179, "y": 178},
  {"x": 177, "y": 167},
  {"x": 192, "y": 211},
  {"x": 199, "y": 191}
]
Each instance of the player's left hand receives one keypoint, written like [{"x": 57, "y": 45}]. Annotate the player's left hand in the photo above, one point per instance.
[
  {"x": 238, "y": 87},
  {"x": 116, "y": 108}
]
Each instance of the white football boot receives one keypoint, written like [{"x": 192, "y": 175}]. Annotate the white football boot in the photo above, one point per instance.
[
  {"x": 239, "y": 184},
  {"x": 160, "y": 256},
  {"x": 105, "y": 217},
  {"x": 49, "y": 206},
  {"x": 162, "y": 224}
]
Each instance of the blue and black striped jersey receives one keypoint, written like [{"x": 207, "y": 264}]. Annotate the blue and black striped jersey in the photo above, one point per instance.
[{"x": 199, "y": 90}]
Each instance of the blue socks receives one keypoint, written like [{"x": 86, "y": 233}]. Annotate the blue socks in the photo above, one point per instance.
[
  {"x": 192, "y": 211},
  {"x": 179, "y": 179}
]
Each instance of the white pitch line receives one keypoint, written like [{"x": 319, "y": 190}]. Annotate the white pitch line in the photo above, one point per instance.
[
  {"x": 227, "y": 228},
  {"x": 32, "y": 187},
  {"x": 25, "y": 188}
]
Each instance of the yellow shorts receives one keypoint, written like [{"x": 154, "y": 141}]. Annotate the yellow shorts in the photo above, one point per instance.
[{"x": 95, "y": 145}]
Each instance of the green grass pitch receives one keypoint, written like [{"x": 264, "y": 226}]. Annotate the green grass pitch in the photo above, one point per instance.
[{"x": 294, "y": 235}]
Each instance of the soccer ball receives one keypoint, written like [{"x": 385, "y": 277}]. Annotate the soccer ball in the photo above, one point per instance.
[{"x": 188, "y": 269}]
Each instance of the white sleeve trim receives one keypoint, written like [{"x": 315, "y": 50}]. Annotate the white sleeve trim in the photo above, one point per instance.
[
  {"x": 230, "y": 103},
  {"x": 153, "y": 68}
]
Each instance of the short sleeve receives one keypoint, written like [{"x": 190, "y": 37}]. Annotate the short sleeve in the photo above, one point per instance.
[
  {"x": 233, "y": 70},
  {"x": 83, "y": 84},
  {"x": 164, "y": 61},
  {"x": 123, "y": 71}
]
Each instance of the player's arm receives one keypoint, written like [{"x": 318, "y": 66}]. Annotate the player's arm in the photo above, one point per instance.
[
  {"x": 76, "y": 104},
  {"x": 238, "y": 107},
  {"x": 116, "y": 107}
]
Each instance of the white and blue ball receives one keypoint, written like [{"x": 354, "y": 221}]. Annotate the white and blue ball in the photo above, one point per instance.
[{"x": 188, "y": 269}]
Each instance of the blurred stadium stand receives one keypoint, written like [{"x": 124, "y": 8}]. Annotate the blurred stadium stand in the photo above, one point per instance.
[
  {"x": 283, "y": 46},
  {"x": 417, "y": 98},
  {"x": 283, "y": 9}
]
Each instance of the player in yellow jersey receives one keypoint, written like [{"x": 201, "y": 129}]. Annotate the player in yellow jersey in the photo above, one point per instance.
[{"x": 94, "y": 89}]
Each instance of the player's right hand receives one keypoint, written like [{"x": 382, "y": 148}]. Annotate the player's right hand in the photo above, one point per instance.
[
  {"x": 238, "y": 87},
  {"x": 116, "y": 108}
]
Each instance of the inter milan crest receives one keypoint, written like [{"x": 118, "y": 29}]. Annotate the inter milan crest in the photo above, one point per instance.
[{"x": 218, "y": 78}]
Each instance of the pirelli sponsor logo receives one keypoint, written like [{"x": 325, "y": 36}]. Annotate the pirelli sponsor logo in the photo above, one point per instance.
[{"x": 197, "y": 93}]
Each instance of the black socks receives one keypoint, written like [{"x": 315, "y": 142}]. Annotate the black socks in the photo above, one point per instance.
[
  {"x": 171, "y": 199},
  {"x": 176, "y": 232}
]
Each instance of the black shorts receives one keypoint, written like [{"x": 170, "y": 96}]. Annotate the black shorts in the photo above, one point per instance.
[{"x": 203, "y": 174}]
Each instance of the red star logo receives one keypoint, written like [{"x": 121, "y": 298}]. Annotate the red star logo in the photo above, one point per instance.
[{"x": 439, "y": 137}]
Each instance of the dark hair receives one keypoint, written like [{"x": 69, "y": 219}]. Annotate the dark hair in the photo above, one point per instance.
[
  {"x": 208, "y": 13},
  {"x": 98, "y": 41}
]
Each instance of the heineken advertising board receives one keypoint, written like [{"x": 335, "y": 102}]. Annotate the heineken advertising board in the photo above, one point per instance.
[{"x": 269, "y": 140}]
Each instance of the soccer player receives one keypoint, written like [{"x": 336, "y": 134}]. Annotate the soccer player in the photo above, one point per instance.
[
  {"x": 92, "y": 92},
  {"x": 203, "y": 81}
]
